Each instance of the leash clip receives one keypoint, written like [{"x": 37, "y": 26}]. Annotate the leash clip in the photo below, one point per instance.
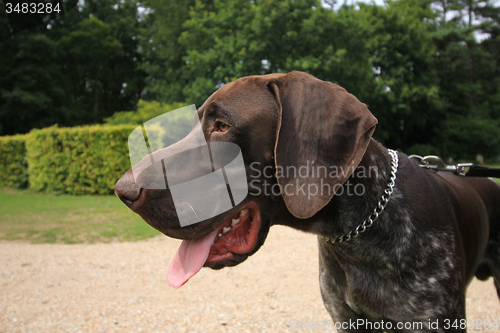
[{"x": 436, "y": 163}]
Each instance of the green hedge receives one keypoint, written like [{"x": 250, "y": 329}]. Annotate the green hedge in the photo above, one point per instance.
[
  {"x": 13, "y": 167},
  {"x": 77, "y": 160},
  {"x": 145, "y": 111}
]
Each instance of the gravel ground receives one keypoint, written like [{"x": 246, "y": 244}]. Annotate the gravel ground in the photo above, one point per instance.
[{"x": 122, "y": 287}]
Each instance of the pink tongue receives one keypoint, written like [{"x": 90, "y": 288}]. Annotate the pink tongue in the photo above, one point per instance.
[{"x": 189, "y": 259}]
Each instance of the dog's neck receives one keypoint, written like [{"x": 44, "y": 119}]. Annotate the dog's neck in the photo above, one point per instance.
[
  {"x": 367, "y": 185},
  {"x": 353, "y": 202}
]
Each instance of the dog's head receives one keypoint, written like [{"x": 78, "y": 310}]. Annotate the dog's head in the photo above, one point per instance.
[{"x": 283, "y": 124}]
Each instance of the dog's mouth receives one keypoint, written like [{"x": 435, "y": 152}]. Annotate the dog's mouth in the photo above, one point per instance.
[{"x": 235, "y": 237}]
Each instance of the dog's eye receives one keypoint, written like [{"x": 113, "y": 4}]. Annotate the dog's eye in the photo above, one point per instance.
[{"x": 223, "y": 127}]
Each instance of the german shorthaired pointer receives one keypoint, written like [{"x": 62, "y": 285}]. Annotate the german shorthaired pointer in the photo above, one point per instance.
[{"x": 311, "y": 164}]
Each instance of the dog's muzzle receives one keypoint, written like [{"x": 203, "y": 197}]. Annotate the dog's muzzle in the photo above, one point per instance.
[{"x": 204, "y": 179}]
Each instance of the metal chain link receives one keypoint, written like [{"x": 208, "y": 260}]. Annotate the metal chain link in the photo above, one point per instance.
[
  {"x": 380, "y": 207},
  {"x": 436, "y": 163}
]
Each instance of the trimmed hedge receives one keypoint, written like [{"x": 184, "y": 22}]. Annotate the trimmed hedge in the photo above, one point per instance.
[
  {"x": 77, "y": 160},
  {"x": 13, "y": 167}
]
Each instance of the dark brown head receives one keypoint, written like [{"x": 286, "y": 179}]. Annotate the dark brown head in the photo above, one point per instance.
[{"x": 283, "y": 124}]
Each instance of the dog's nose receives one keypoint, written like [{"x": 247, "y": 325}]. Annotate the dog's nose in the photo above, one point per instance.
[{"x": 127, "y": 190}]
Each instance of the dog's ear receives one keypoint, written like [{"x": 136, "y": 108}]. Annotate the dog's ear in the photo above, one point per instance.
[{"x": 322, "y": 135}]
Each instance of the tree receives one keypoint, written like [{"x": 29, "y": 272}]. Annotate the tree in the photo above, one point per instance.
[
  {"x": 230, "y": 39},
  {"x": 75, "y": 69},
  {"x": 383, "y": 55},
  {"x": 467, "y": 68},
  {"x": 32, "y": 92},
  {"x": 406, "y": 93},
  {"x": 163, "y": 56}
]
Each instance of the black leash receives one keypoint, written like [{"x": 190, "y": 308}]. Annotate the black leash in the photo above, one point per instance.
[
  {"x": 477, "y": 171},
  {"x": 436, "y": 163}
]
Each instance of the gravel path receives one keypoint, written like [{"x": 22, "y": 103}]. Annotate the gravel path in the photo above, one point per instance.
[{"x": 122, "y": 287}]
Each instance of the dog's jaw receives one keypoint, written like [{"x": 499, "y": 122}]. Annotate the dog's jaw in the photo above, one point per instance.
[
  {"x": 227, "y": 245},
  {"x": 238, "y": 235}
]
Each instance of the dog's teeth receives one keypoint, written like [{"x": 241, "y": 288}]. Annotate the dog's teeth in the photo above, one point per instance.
[
  {"x": 220, "y": 235},
  {"x": 225, "y": 229},
  {"x": 235, "y": 222},
  {"x": 213, "y": 243},
  {"x": 243, "y": 212}
]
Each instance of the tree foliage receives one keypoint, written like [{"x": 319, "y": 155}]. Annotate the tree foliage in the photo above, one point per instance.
[
  {"x": 467, "y": 65},
  {"x": 384, "y": 55},
  {"x": 427, "y": 69},
  {"x": 145, "y": 111},
  {"x": 75, "y": 69},
  {"x": 418, "y": 64}
]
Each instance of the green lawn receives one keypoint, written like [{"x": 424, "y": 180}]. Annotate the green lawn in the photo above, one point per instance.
[{"x": 43, "y": 218}]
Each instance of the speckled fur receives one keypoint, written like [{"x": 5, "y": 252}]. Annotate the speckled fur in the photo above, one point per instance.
[{"x": 409, "y": 267}]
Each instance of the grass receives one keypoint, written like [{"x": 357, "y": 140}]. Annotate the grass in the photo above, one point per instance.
[{"x": 43, "y": 218}]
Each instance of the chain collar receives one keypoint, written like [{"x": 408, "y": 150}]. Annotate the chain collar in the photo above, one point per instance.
[{"x": 378, "y": 210}]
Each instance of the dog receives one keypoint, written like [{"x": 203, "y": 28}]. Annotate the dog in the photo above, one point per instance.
[{"x": 399, "y": 248}]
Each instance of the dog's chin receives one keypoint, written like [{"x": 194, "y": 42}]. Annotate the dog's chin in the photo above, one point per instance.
[
  {"x": 238, "y": 233},
  {"x": 232, "y": 260}
]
